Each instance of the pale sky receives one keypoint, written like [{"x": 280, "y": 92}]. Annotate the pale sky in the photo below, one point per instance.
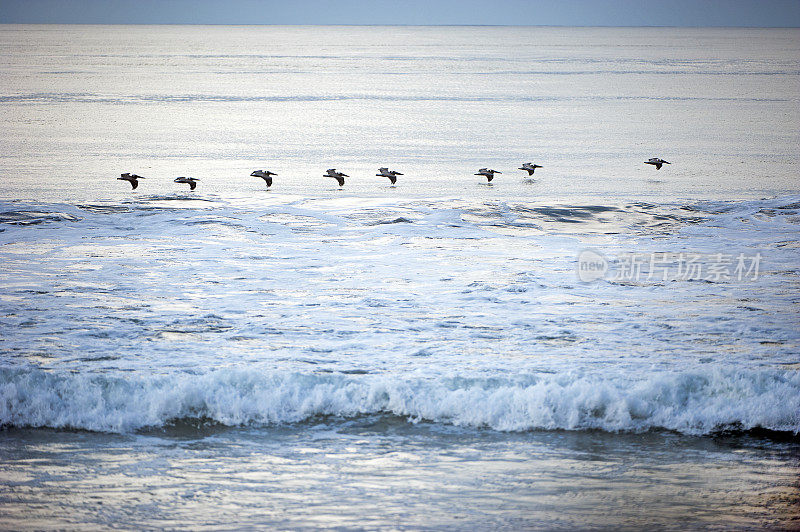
[{"x": 769, "y": 13}]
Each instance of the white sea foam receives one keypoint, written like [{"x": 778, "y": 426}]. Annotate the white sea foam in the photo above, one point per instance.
[
  {"x": 690, "y": 402},
  {"x": 104, "y": 315}
]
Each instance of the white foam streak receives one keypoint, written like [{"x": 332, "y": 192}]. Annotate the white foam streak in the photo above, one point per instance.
[{"x": 694, "y": 403}]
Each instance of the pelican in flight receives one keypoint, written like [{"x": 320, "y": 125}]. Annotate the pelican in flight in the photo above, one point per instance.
[
  {"x": 391, "y": 174},
  {"x": 266, "y": 175},
  {"x": 488, "y": 173},
  {"x": 133, "y": 179},
  {"x": 530, "y": 167},
  {"x": 655, "y": 161},
  {"x": 338, "y": 176},
  {"x": 191, "y": 181}
]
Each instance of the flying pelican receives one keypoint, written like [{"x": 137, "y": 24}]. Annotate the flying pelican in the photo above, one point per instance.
[
  {"x": 266, "y": 175},
  {"x": 191, "y": 181},
  {"x": 655, "y": 161},
  {"x": 488, "y": 173},
  {"x": 338, "y": 176},
  {"x": 130, "y": 178},
  {"x": 530, "y": 167},
  {"x": 391, "y": 174}
]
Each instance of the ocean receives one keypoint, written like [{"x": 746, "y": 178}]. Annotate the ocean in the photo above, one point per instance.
[{"x": 599, "y": 345}]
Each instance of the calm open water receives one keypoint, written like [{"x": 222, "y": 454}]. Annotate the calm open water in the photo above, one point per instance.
[{"x": 423, "y": 356}]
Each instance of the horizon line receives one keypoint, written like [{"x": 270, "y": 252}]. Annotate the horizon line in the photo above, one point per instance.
[{"x": 391, "y": 25}]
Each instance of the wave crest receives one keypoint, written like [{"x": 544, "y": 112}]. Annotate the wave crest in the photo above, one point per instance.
[{"x": 689, "y": 402}]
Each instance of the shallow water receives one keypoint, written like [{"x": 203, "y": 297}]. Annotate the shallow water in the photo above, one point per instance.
[
  {"x": 384, "y": 473},
  {"x": 421, "y": 356}
]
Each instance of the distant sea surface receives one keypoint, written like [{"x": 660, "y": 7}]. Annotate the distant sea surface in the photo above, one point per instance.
[{"x": 443, "y": 354}]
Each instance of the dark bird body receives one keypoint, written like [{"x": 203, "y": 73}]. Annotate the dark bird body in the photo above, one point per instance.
[
  {"x": 489, "y": 174},
  {"x": 266, "y": 175},
  {"x": 530, "y": 167},
  {"x": 191, "y": 181},
  {"x": 133, "y": 179},
  {"x": 338, "y": 176},
  {"x": 391, "y": 174},
  {"x": 655, "y": 161}
]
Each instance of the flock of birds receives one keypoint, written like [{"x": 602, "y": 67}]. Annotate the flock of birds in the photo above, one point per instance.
[{"x": 266, "y": 175}]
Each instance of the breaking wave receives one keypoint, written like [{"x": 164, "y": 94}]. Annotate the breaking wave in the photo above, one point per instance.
[{"x": 688, "y": 402}]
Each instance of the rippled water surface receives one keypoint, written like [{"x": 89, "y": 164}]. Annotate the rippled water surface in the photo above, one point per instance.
[{"x": 418, "y": 356}]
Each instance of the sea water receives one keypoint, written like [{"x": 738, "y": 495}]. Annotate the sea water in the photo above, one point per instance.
[{"x": 433, "y": 355}]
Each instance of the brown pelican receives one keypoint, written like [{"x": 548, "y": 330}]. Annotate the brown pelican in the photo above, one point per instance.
[
  {"x": 130, "y": 178},
  {"x": 391, "y": 174},
  {"x": 655, "y": 161},
  {"x": 488, "y": 173},
  {"x": 530, "y": 167},
  {"x": 266, "y": 175},
  {"x": 191, "y": 181},
  {"x": 338, "y": 176}
]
